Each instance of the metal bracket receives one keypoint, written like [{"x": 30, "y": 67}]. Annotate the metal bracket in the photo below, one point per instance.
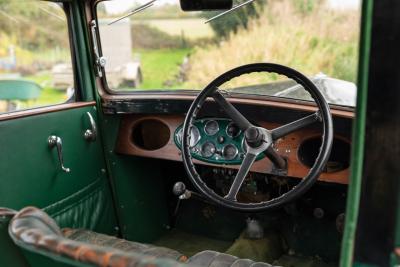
[{"x": 100, "y": 62}]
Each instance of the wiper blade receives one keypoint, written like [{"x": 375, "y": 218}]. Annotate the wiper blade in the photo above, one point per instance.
[
  {"x": 229, "y": 11},
  {"x": 136, "y": 10}
]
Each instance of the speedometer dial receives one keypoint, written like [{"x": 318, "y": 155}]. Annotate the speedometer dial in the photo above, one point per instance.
[
  {"x": 232, "y": 130},
  {"x": 211, "y": 127},
  {"x": 229, "y": 152},
  {"x": 208, "y": 149}
]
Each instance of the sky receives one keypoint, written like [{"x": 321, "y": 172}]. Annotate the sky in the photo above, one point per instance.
[{"x": 118, "y": 6}]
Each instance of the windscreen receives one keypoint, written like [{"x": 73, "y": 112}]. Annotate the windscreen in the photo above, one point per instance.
[{"x": 163, "y": 48}]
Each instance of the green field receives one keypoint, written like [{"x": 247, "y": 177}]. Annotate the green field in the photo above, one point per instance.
[
  {"x": 192, "y": 28},
  {"x": 159, "y": 66},
  {"x": 48, "y": 96}
]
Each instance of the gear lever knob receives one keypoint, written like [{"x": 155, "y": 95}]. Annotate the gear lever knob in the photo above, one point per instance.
[{"x": 179, "y": 189}]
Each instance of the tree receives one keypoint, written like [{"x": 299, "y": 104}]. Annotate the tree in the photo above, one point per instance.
[{"x": 237, "y": 19}]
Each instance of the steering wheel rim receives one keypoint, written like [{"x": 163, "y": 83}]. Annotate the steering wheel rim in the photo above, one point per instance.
[{"x": 305, "y": 184}]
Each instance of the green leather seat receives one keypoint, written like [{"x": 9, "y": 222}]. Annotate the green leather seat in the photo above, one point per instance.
[{"x": 33, "y": 230}]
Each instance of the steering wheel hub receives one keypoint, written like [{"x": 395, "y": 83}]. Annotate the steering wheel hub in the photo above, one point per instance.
[{"x": 254, "y": 137}]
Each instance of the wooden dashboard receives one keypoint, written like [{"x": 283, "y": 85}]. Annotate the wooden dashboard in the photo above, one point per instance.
[{"x": 153, "y": 136}]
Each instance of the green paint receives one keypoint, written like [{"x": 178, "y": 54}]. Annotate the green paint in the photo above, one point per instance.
[
  {"x": 84, "y": 71},
  {"x": 354, "y": 190},
  {"x": 138, "y": 189},
  {"x": 216, "y": 158},
  {"x": 31, "y": 174}
]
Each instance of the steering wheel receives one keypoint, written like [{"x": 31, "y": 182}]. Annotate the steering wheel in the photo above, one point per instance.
[{"x": 259, "y": 140}]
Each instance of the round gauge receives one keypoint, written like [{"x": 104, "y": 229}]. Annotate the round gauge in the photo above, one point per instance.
[
  {"x": 232, "y": 130},
  {"x": 229, "y": 152},
  {"x": 194, "y": 136},
  {"x": 211, "y": 127},
  {"x": 207, "y": 149}
]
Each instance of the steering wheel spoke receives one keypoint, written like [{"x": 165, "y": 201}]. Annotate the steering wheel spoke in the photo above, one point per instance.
[
  {"x": 294, "y": 126},
  {"x": 241, "y": 176},
  {"x": 231, "y": 111},
  {"x": 275, "y": 158}
]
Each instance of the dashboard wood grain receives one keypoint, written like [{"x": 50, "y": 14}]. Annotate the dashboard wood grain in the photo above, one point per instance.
[{"x": 287, "y": 147}]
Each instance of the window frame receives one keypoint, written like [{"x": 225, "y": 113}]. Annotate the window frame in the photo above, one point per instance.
[
  {"x": 77, "y": 95},
  {"x": 142, "y": 93}
]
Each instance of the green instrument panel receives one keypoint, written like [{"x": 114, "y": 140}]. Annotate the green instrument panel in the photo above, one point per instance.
[{"x": 214, "y": 140}]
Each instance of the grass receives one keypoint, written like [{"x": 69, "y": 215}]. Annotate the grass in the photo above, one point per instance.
[
  {"x": 191, "y": 28},
  {"x": 48, "y": 96},
  {"x": 159, "y": 66},
  {"x": 323, "y": 40}
]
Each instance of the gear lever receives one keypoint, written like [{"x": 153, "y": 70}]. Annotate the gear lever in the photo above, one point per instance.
[{"x": 180, "y": 191}]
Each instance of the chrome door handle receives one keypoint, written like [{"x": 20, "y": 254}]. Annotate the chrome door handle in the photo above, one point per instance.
[
  {"x": 55, "y": 141},
  {"x": 91, "y": 134}
]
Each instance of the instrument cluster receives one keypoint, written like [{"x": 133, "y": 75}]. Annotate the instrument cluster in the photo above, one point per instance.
[{"x": 214, "y": 140}]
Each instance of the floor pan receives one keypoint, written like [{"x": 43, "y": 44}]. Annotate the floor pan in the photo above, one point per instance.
[{"x": 190, "y": 244}]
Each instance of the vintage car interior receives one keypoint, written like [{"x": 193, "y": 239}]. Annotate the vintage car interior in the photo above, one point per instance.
[{"x": 207, "y": 177}]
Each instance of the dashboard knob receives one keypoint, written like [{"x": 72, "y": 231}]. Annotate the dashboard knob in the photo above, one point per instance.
[{"x": 179, "y": 188}]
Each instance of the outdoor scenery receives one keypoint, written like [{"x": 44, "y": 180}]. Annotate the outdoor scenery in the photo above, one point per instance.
[
  {"x": 165, "y": 48},
  {"x": 35, "y": 59}
]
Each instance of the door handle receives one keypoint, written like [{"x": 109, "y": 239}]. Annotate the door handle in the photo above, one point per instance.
[
  {"x": 91, "y": 134},
  {"x": 55, "y": 141}
]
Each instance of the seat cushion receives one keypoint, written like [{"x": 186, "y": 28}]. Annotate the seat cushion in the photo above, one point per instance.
[
  {"x": 94, "y": 238},
  {"x": 35, "y": 231},
  {"x": 210, "y": 258}
]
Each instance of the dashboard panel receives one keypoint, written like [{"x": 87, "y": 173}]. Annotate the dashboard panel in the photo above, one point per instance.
[
  {"x": 215, "y": 140},
  {"x": 158, "y": 136}
]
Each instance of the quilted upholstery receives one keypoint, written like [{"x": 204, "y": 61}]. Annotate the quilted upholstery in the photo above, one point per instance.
[
  {"x": 34, "y": 230},
  {"x": 94, "y": 238},
  {"x": 210, "y": 258}
]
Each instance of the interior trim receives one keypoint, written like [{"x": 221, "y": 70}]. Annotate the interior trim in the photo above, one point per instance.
[
  {"x": 281, "y": 103},
  {"x": 287, "y": 147},
  {"x": 43, "y": 110}
]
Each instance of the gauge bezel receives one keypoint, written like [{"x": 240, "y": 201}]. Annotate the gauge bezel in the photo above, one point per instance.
[
  {"x": 235, "y": 155},
  {"x": 205, "y": 127},
  {"x": 201, "y": 149},
  {"x": 227, "y": 133}
]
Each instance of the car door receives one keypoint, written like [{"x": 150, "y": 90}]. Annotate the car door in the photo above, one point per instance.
[{"x": 51, "y": 153}]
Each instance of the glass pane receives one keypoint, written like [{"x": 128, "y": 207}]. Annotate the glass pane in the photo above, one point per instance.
[
  {"x": 163, "y": 48},
  {"x": 35, "y": 59}
]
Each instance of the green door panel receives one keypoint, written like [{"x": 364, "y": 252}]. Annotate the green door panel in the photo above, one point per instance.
[
  {"x": 30, "y": 175},
  {"x": 30, "y": 170},
  {"x": 89, "y": 208}
]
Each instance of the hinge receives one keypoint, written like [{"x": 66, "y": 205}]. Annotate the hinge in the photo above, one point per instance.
[{"x": 99, "y": 62}]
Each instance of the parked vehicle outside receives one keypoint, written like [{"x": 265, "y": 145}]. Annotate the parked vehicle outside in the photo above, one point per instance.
[{"x": 123, "y": 69}]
